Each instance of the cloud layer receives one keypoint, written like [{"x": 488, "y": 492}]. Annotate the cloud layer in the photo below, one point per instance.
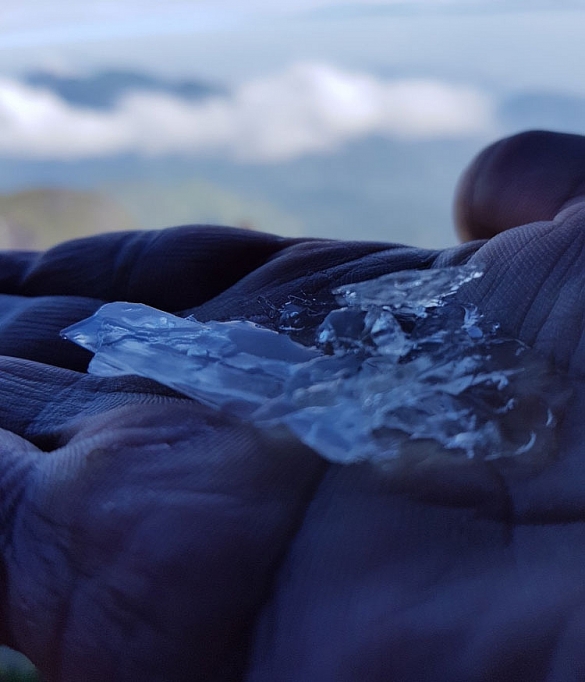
[{"x": 308, "y": 108}]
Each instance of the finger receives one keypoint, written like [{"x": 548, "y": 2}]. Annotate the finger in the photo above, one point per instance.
[
  {"x": 30, "y": 328},
  {"x": 169, "y": 269},
  {"x": 519, "y": 180}
]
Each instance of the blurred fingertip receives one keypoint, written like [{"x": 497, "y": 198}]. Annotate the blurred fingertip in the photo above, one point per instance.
[{"x": 518, "y": 180}]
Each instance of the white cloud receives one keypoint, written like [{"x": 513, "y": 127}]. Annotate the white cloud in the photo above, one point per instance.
[{"x": 308, "y": 108}]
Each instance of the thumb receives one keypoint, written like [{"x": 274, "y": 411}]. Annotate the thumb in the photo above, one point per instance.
[{"x": 520, "y": 179}]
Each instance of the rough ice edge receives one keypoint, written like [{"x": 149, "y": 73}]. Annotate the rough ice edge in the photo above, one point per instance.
[{"x": 372, "y": 380}]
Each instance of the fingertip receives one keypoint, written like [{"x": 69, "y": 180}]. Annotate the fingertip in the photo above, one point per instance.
[{"x": 521, "y": 179}]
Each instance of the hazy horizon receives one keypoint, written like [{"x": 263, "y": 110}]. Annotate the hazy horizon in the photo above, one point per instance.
[{"x": 379, "y": 104}]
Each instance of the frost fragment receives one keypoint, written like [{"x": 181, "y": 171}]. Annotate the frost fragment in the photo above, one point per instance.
[
  {"x": 233, "y": 365},
  {"x": 411, "y": 291},
  {"x": 399, "y": 361}
]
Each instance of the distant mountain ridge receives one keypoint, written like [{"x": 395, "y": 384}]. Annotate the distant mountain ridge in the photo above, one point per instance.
[
  {"x": 546, "y": 110},
  {"x": 40, "y": 218},
  {"x": 377, "y": 189},
  {"x": 371, "y": 188},
  {"x": 102, "y": 90}
]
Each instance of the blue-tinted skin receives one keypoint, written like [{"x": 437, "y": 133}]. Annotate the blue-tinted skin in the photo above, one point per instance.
[{"x": 148, "y": 538}]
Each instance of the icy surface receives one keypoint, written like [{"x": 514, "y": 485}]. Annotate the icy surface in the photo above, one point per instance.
[{"x": 400, "y": 361}]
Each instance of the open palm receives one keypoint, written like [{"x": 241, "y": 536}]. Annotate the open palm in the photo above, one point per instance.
[{"x": 148, "y": 538}]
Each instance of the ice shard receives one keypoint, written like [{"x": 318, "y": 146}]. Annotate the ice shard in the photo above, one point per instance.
[
  {"x": 400, "y": 360},
  {"x": 233, "y": 365}
]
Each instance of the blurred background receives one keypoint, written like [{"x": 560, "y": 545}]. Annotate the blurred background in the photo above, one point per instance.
[{"x": 331, "y": 118}]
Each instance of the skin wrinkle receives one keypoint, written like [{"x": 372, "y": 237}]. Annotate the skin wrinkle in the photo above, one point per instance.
[
  {"x": 277, "y": 276},
  {"x": 496, "y": 280},
  {"x": 144, "y": 250},
  {"x": 19, "y": 427},
  {"x": 125, "y": 437},
  {"x": 68, "y": 433},
  {"x": 57, "y": 619},
  {"x": 125, "y": 266},
  {"x": 29, "y": 285},
  {"x": 527, "y": 325},
  {"x": 85, "y": 395},
  {"x": 67, "y": 602},
  {"x": 279, "y": 567},
  {"x": 277, "y": 245},
  {"x": 144, "y": 616},
  {"x": 49, "y": 272},
  {"x": 381, "y": 260},
  {"x": 460, "y": 255},
  {"x": 9, "y": 316},
  {"x": 328, "y": 258},
  {"x": 325, "y": 283},
  {"x": 14, "y": 480},
  {"x": 13, "y": 266},
  {"x": 580, "y": 312},
  {"x": 28, "y": 337},
  {"x": 35, "y": 387},
  {"x": 553, "y": 300}
]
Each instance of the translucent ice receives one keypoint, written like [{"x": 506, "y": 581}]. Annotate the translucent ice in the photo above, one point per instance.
[
  {"x": 399, "y": 361},
  {"x": 233, "y": 365}
]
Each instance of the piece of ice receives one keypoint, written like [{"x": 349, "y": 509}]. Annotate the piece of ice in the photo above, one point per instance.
[
  {"x": 237, "y": 365},
  {"x": 410, "y": 291},
  {"x": 399, "y": 361}
]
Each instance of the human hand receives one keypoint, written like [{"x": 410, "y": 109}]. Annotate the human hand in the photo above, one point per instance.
[{"x": 147, "y": 538}]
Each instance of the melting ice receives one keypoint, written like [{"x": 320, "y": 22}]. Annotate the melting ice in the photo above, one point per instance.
[{"x": 398, "y": 361}]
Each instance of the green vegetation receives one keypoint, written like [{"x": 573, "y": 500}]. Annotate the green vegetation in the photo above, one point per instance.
[
  {"x": 158, "y": 204},
  {"x": 39, "y": 218}
]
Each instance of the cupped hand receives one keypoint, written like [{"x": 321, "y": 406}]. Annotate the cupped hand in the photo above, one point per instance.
[{"x": 146, "y": 538}]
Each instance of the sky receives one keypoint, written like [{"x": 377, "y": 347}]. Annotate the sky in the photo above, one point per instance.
[
  {"x": 301, "y": 77},
  {"x": 502, "y": 43}
]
